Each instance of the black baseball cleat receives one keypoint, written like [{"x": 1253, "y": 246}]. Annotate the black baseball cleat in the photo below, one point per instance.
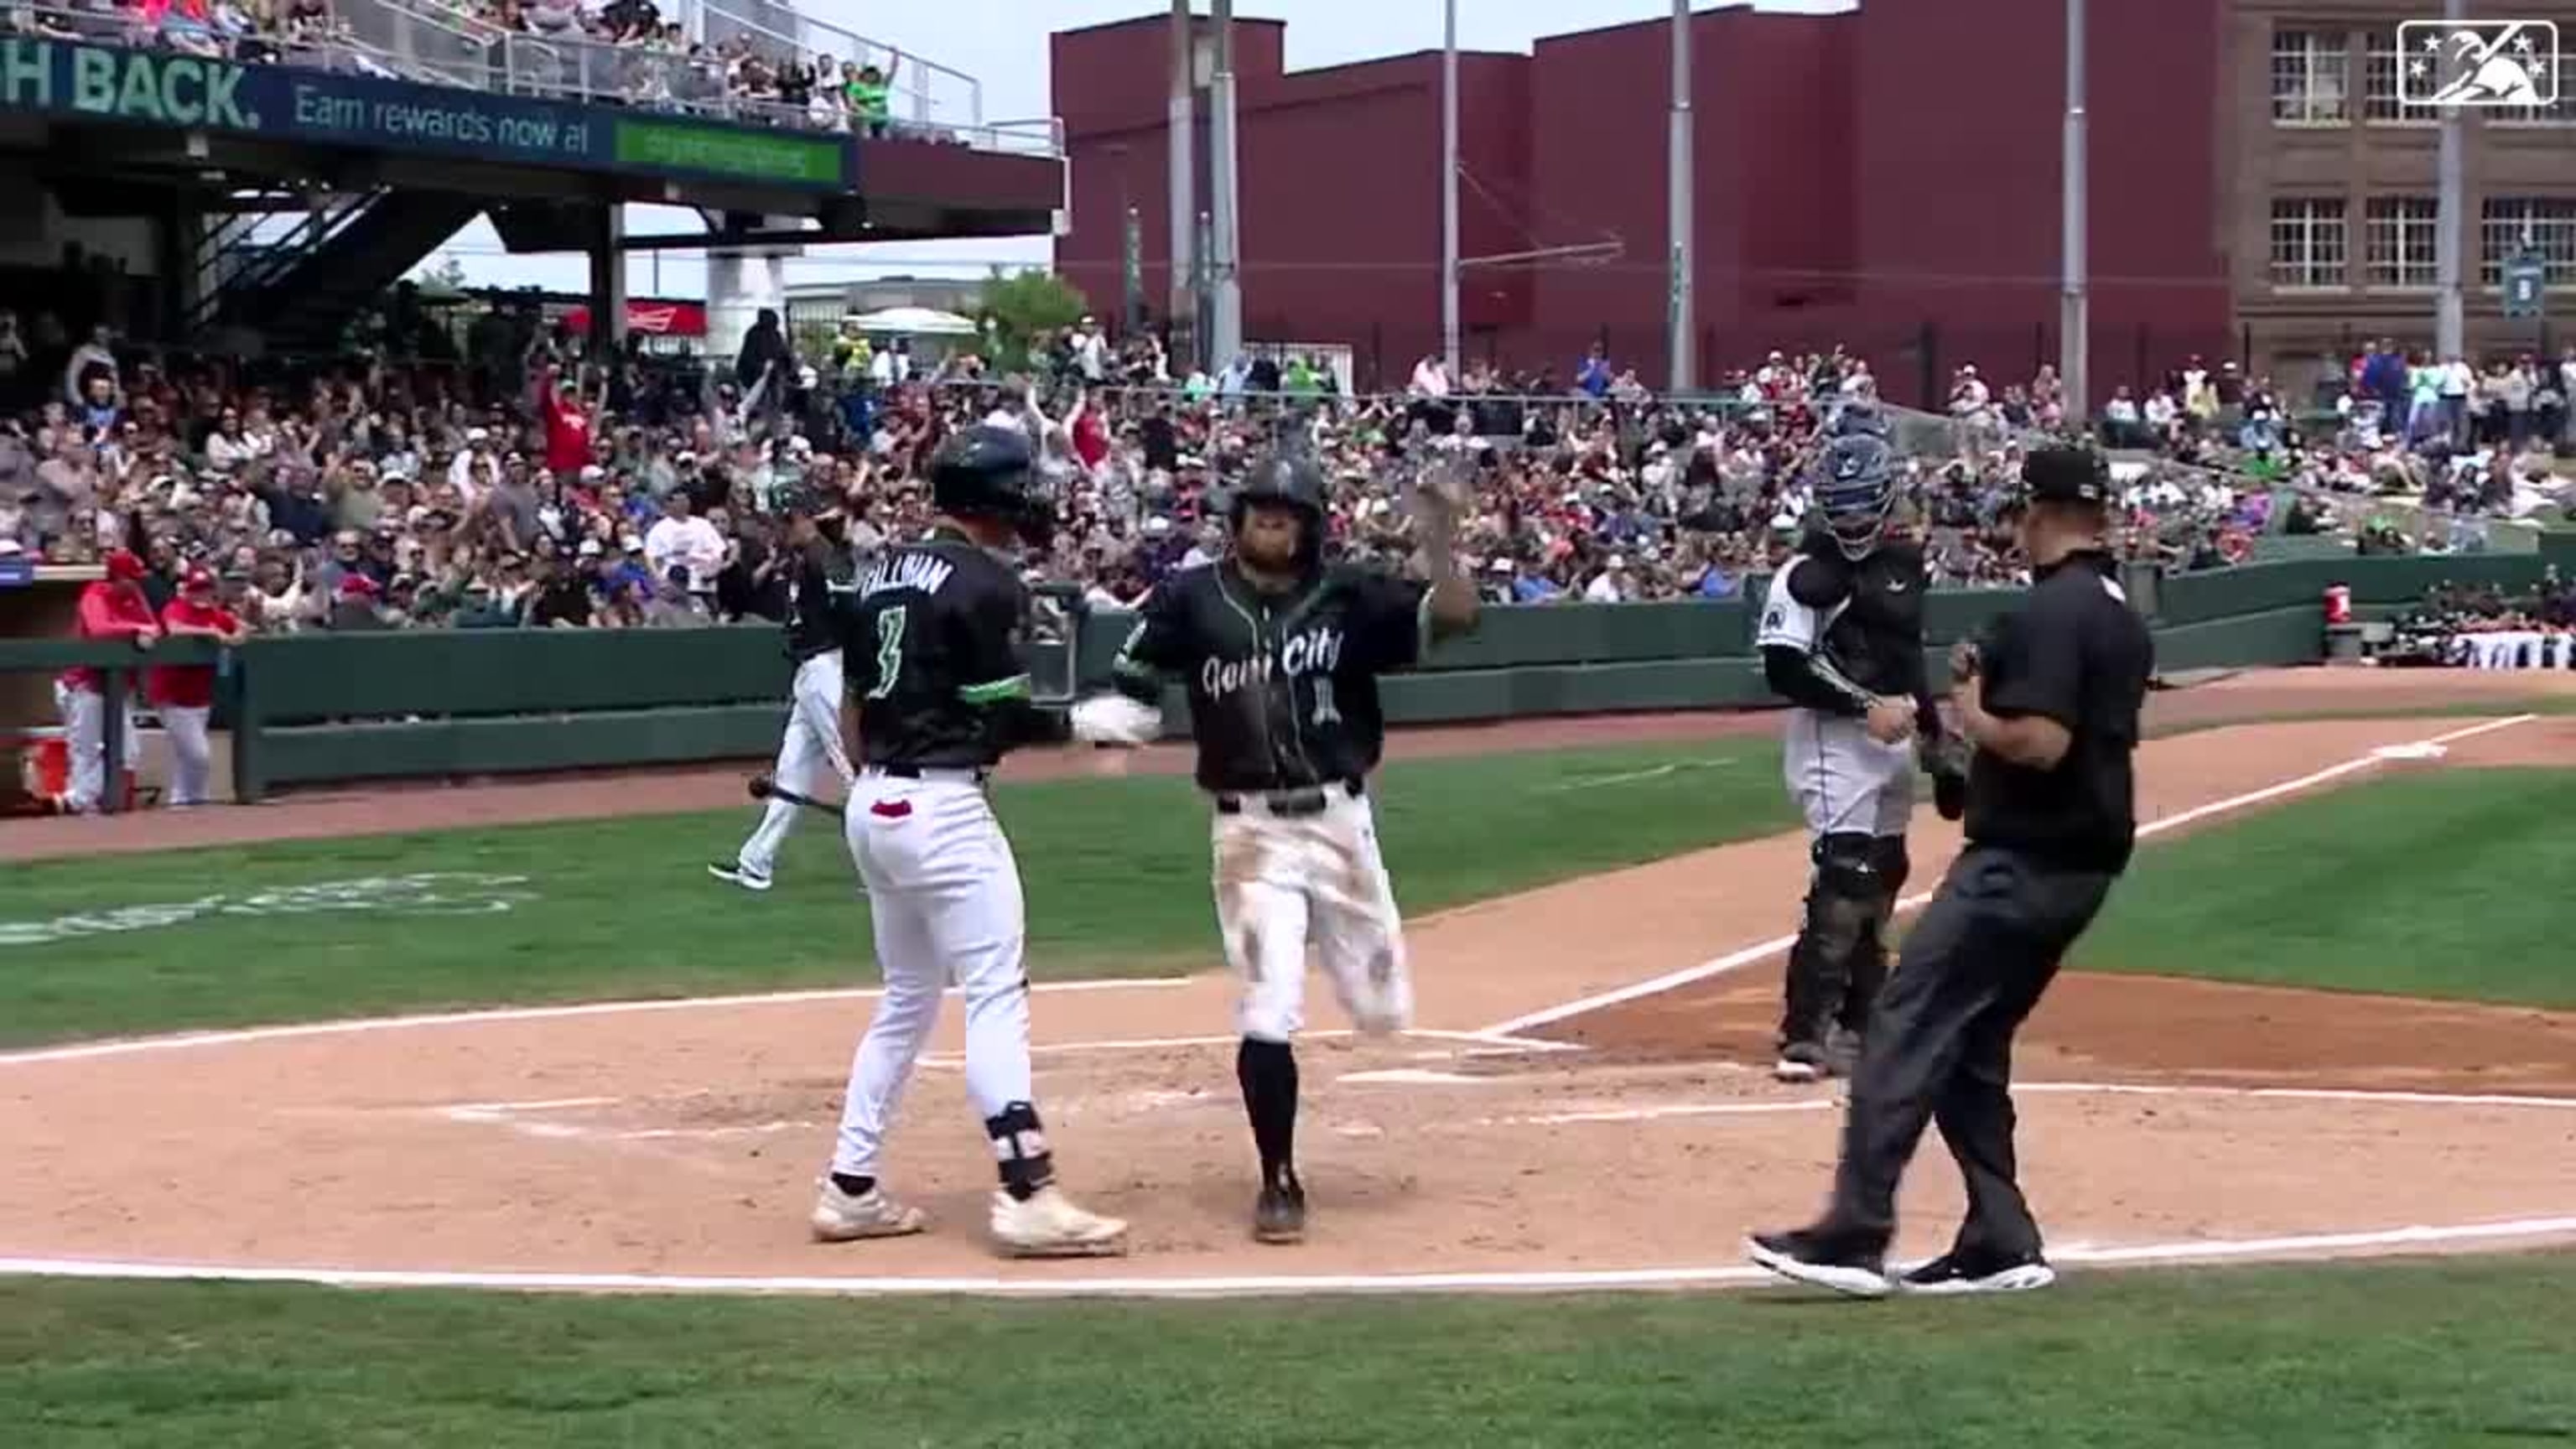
[
  {"x": 1280, "y": 1215},
  {"x": 1802, "y": 1061},
  {"x": 728, "y": 870},
  {"x": 1957, "y": 1273},
  {"x": 1804, "y": 1257}
]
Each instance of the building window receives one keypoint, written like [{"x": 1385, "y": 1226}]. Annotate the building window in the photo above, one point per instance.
[
  {"x": 2382, "y": 87},
  {"x": 2543, "y": 225},
  {"x": 2308, "y": 242},
  {"x": 2401, "y": 233},
  {"x": 2560, "y": 112},
  {"x": 2309, "y": 73}
]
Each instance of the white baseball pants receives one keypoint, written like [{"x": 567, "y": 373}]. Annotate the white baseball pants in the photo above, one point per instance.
[
  {"x": 84, "y": 713},
  {"x": 1283, "y": 881},
  {"x": 192, "y": 754},
  {"x": 1844, "y": 781},
  {"x": 944, "y": 895},
  {"x": 812, "y": 742}
]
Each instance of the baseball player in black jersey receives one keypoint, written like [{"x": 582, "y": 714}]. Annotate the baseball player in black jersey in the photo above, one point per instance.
[
  {"x": 935, "y": 632},
  {"x": 1842, "y": 641},
  {"x": 1280, "y": 653},
  {"x": 819, "y": 569},
  {"x": 2050, "y": 701}
]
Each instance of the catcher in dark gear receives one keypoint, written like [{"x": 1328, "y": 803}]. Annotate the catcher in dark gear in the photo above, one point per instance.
[{"x": 1842, "y": 639}]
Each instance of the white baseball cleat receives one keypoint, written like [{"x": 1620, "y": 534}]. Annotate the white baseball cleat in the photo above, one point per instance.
[
  {"x": 750, "y": 880},
  {"x": 1050, "y": 1225},
  {"x": 840, "y": 1217}
]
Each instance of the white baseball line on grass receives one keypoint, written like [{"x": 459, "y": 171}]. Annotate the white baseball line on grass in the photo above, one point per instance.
[
  {"x": 1666, "y": 1110},
  {"x": 1072, "y": 1283},
  {"x": 129, "y": 1046},
  {"x": 1762, "y": 951}
]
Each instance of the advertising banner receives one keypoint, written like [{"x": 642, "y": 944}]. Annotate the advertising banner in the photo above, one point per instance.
[{"x": 284, "y": 103}]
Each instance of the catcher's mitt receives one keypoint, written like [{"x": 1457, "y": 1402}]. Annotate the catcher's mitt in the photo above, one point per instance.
[{"x": 1945, "y": 758}]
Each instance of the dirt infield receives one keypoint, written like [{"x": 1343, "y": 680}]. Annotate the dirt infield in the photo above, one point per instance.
[{"x": 656, "y": 1143}]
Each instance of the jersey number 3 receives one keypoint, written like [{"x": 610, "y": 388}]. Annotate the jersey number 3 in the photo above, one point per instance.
[{"x": 889, "y": 652}]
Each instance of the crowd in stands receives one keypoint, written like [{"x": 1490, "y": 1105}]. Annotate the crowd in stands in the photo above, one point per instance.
[
  {"x": 245, "y": 30},
  {"x": 523, "y": 485},
  {"x": 2483, "y": 627}
]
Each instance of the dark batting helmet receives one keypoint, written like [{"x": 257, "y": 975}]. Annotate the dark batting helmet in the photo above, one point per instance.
[
  {"x": 990, "y": 471},
  {"x": 1856, "y": 490},
  {"x": 1287, "y": 480},
  {"x": 1858, "y": 417}
]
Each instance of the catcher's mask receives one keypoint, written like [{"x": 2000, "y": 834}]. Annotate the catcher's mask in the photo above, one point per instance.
[
  {"x": 1290, "y": 482},
  {"x": 1856, "y": 490},
  {"x": 989, "y": 471}
]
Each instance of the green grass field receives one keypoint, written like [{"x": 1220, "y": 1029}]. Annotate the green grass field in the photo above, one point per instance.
[
  {"x": 2402, "y": 1356},
  {"x": 2439, "y": 884},
  {"x": 1116, "y": 873},
  {"x": 2448, "y": 885}
]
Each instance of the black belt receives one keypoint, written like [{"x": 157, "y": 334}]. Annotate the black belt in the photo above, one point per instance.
[
  {"x": 918, "y": 772},
  {"x": 1310, "y": 801}
]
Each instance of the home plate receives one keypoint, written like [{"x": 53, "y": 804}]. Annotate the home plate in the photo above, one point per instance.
[
  {"x": 1418, "y": 1076},
  {"x": 2420, "y": 751}
]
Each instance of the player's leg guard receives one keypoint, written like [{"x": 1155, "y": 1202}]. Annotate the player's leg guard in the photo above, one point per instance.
[
  {"x": 1019, "y": 1143},
  {"x": 1842, "y": 901},
  {"x": 1890, "y": 866}
]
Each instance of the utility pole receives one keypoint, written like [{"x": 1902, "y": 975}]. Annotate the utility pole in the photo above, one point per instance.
[
  {"x": 1677, "y": 205},
  {"x": 1226, "y": 328},
  {"x": 2450, "y": 323},
  {"x": 1180, "y": 307},
  {"x": 1449, "y": 191},
  {"x": 2074, "y": 311}
]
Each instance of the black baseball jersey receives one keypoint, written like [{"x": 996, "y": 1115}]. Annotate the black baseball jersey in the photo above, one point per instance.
[
  {"x": 2076, "y": 653},
  {"x": 933, "y": 654},
  {"x": 1861, "y": 620},
  {"x": 1282, "y": 686},
  {"x": 816, "y": 580}
]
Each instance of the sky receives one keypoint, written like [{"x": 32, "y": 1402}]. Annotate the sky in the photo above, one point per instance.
[{"x": 1003, "y": 44}]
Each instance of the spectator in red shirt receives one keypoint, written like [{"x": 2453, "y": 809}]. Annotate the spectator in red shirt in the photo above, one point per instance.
[
  {"x": 567, "y": 427},
  {"x": 184, "y": 694},
  {"x": 111, "y": 608}
]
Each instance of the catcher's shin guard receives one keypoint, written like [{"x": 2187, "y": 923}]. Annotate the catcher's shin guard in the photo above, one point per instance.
[
  {"x": 1868, "y": 975},
  {"x": 1843, "y": 898}
]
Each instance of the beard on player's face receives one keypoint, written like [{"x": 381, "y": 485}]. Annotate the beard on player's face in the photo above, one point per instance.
[{"x": 1270, "y": 538}]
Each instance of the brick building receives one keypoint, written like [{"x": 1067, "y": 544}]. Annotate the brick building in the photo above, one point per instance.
[{"x": 1886, "y": 178}]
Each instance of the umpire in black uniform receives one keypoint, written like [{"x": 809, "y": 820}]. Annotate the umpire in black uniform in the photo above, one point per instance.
[{"x": 2050, "y": 701}]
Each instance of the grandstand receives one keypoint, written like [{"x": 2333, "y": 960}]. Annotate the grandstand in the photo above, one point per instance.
[{"x": 287, "y": 176}]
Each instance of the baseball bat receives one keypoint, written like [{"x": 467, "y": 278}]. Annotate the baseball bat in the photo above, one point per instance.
[{"x": 765, "y": 788}]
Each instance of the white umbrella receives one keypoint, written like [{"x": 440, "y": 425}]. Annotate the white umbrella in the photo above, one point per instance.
[{"x": 916, "y": 322}]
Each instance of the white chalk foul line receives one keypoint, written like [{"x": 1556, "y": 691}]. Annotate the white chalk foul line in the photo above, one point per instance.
[
  {"x": 1764, "y": 950},
  {"x": 1663, "y": 1111},
  {"x": 1072, "y": 1284},
  {"x": 1470, "y": 1043},
  {"x": 129, "y": 1046}
]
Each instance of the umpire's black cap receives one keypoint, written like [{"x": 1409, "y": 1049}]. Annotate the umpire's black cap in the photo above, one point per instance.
[{"x": 2066, "y": 474}]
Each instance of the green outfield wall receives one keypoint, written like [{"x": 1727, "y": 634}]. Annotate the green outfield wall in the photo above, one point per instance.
[{"x": 309, "y": 710}]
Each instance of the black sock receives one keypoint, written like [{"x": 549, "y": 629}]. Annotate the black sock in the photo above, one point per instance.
[
  {"x": 1021, "y": 1146},
  {"x": 853, "y": 1184},
  {"x": 1268, "y": 1072}
]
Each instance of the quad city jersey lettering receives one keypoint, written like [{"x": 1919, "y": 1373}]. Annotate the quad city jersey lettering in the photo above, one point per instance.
[{"x": 1283, "y": 687}]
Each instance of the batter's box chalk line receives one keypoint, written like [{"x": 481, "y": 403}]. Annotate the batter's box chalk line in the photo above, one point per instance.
[
  {"x": 244, "y": 1036},
  {"x": 1762, "y": 951}
]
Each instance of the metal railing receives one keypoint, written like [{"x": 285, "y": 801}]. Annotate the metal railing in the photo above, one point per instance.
[{"x": 923, "y": 92}]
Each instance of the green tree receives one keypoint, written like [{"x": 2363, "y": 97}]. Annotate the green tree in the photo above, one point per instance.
[{"x": 1017, "y": 306}]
